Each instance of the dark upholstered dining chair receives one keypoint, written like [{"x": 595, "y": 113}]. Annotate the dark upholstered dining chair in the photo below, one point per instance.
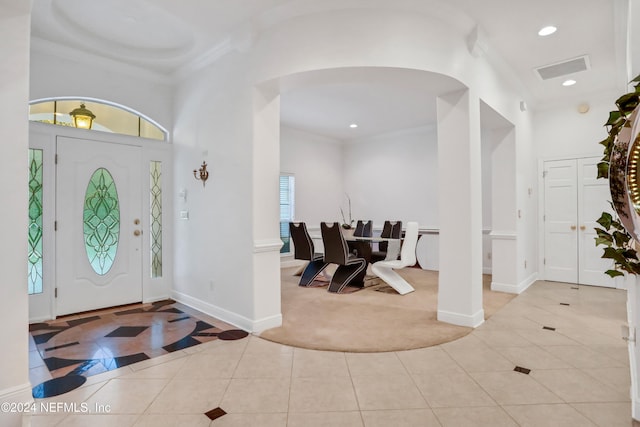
[
  {"x": 304, "y": 249},
  {"x": 391, "y": 229},
  {"x": 363, "y": 229},
  {"x": 351, "y": 270}
]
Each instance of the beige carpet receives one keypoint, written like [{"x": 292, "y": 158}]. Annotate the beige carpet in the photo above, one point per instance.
[{"x": 371, "y": 319}]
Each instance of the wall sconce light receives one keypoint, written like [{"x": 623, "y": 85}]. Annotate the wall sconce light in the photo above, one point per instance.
[
  {"x": 82, "y": 117},
  {"x": 201, "y": 174}
]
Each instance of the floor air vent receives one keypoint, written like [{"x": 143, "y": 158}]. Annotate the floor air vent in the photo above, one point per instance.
[{"x": 563, "y": 68}]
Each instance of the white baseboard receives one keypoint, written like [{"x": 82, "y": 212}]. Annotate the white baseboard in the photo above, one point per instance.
[
  {"x": 524, "y": 285},
  {"x": 267, "y": 323},
  {"x": 459, "y": 319},
  {"x": 214, "y": 311},
  {"x": 227, "y": 316},
  {"x": 513, "y": 288},
  {"x": 504, "y": 287}
]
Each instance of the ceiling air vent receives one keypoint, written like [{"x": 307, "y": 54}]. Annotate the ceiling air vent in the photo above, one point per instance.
[{"x": 563, "y": 68}]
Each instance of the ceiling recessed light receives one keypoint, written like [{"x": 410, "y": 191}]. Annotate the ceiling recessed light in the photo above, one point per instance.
[
  {"x": 547, "y": 31},
  {"x": 569, "y": 82},
  {"x": 353, "y": 125}
]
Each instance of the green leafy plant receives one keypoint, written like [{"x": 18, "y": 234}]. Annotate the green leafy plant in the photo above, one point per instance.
[
  {"x": 618, "y": 246},
  {"x": 618, "y": 243}
]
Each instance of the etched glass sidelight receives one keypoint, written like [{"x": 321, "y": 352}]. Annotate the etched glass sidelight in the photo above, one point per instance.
[
  {"x": 155, "y": 210},
  {"x": 101, "y": 221},
  {"x": 35, "y": 222}
]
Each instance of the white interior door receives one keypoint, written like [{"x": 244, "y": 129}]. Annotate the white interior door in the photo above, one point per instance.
[
  {"x": 574, "y": 200},
  {"x": 560, "y": 221},
  {"x": 593, "y": 197},
  {"x": 98, "y": 214}
]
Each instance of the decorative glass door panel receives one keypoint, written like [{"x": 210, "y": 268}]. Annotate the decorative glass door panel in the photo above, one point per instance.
[
  {"x": 155, "y": 211},
  {"x": 34, "y": 235},
  {"x": 98, "y": 212},
  {"x": 101, "y": 221}
]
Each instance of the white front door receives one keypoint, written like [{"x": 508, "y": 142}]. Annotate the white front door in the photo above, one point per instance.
[
  {"x": 98, "y": 216},
  {"x": 574, "y": 199}
]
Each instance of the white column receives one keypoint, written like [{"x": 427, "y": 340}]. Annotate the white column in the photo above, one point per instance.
[
  {"x": 14, "y": 131},
  {"x": 460, "y": 209},
  {"x": 266, "y": 210},
  {"x": 504, "y": 249}
]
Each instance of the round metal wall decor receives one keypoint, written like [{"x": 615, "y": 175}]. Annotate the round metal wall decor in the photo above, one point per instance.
[{"x": 624, "y": 175}]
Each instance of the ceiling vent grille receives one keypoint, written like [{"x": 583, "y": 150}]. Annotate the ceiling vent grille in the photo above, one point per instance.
[{"x": 563, "y": 68}]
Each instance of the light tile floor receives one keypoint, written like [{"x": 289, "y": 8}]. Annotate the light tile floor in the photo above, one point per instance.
[{"x": 579, "y": 377}]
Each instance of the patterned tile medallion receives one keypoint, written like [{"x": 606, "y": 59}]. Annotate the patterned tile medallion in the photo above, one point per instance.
[{"x": 75, "y": 347}]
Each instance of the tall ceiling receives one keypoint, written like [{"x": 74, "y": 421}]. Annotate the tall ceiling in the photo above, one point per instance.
[{"x": 167, "y": 37}]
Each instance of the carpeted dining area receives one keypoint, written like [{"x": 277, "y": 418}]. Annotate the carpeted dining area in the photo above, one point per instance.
[{"x": 373, "y": 319}]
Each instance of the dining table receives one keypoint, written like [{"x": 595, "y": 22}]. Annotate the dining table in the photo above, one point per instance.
[{"x": 363, "y": 245}]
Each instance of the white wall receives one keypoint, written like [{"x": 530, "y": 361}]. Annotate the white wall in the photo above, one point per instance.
[
  {"x": 563, "y": 132},
  {"x": 526, "y": 204},
  {"x": 394, "y": 176},
  {"x": 14, "y": 91},
  {"x": 487, "y": 167},
  {"x": 57, "y": 72},
  {"x": 486, "y": 148},
  {"x": 317, "y": 163},
  {"x": 213, "y": 248}
]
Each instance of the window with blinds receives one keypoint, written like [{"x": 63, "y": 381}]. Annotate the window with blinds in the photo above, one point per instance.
[{"x": 287, "y": 191}]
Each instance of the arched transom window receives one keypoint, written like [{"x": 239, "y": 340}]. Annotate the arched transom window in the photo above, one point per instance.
[{"x": 107, "y": 116}]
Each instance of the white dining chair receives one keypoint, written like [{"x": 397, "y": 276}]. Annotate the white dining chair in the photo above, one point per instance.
[{"x": 385, "y": 269}]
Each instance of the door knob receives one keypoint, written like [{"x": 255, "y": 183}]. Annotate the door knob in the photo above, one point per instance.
[
  {"x": 573, "y": 227},
  {"x": 137, "y": 232},
  {"x": 136, "y": 221},
  {"x": 582, "y": 227}
]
